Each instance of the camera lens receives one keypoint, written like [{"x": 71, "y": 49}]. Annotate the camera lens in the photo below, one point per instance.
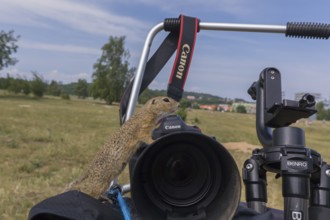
[
  {"x": 177, "y": 170},
  {"x": 185, "y": 175},
  {"x": 181, "y": 175}
]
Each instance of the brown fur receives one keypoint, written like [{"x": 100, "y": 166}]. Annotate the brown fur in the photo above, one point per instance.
[{"x": 113, "y": 156}]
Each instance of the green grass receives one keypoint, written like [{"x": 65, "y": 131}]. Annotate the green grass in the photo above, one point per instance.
[{"x": 46, "y": 143}]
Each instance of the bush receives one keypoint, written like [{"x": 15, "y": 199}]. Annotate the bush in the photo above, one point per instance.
[
  {"x": 195, "y": 106},
  {"x": 241, "y": 109},
  {"x": 65, "y": 96},
  {"x": 196, "y": 120},
  {"x": 184, "y": 103},
  {"x": 182, "y": 112}
]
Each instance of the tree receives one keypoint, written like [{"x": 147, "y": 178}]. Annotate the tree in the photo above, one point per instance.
[
  {"x": 111, "y": 71},
  {"x": 82, "y": 88},
  {"x": 19, "y": 85},
  {"x": 25, "y": 86},
  {"x": 54, "y": 88},
  {"x": 14, "y": 86},
  {"x": 5, "y": 82},
  {"x": 38, "y": 85},
  {"x": 7, "y": 48}
]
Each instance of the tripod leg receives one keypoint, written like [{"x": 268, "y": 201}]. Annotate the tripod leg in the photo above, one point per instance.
[
  {"x": 254, "y": 177},
  {"x": 320, "y": 206},
  {"x": 296, "y": 169},
  {"x": 321, "y": 192},
  {"x": 295, "y": 190}
]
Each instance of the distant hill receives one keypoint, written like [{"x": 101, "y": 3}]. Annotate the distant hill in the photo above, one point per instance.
[
  {"x": 196, "y": 97},
  {"x": 201, "y": 98}
]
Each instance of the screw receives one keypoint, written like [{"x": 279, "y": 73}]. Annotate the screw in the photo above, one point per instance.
[
  {"x": 249, "y": 166},
  {"x": 327, "y": 172},
  {"x": 272, "y": 72}
]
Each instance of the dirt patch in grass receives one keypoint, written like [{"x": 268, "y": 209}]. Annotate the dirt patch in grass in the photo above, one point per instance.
[{"x": 241, "y": 146}]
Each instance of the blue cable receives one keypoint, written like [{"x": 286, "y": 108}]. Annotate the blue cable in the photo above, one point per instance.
[
  {"x": 116, "y": 193},
  {"x": 123, "y": 206}
]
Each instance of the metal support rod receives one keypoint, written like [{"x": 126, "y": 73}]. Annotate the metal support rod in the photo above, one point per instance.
[
  {"x": 203, "y": 26},
  {"x": 141, "y": 68},
  {"x": 242, "y": 27},
  {"x": 139, "y": 74}
]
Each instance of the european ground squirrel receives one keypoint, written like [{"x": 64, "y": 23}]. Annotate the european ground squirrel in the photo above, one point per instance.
[{"x": 113, "y": 156}]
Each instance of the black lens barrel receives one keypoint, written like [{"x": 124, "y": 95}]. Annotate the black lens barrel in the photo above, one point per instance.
[{"x": 182, "y": 175}]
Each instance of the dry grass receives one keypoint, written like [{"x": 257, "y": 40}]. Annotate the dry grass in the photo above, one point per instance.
[
  {"x": 44, "y": 145},
  {"x": 47, "y": 143}
]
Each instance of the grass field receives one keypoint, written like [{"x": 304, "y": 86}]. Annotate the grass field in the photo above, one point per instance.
[{"x": 46, "y": 143}]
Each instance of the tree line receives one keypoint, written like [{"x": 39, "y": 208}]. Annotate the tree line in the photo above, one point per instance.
[{"x": 38, "y": 86}]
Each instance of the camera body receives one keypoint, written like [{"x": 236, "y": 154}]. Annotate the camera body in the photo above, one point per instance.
[{"x": 184, "y": 174}]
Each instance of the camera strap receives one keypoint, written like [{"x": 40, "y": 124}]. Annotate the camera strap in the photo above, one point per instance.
[
  {"x": 184, "y": 53},
  {"x": 181, "y": 38}
]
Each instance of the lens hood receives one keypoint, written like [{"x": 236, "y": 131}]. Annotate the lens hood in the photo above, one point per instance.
[{"x": 185, "y": 175}]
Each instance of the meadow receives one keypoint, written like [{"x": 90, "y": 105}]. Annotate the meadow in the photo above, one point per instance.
[{"x": 46, "y": 143}]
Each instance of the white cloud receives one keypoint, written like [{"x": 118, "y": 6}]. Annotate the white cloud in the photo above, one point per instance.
[
  {"x": 237, "y": 8},
  {"x": 74, "y": 14},
  {"x": 14, "y": 72},
  {"x": 58, "y": 47},
  {"x": 65, "y": 77}
]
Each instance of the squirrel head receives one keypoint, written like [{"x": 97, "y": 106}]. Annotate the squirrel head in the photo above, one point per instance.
[{"x": 161, "y": 106}]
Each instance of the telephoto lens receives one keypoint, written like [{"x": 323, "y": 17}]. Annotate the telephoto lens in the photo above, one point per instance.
[{"x": 184, "y": 174}]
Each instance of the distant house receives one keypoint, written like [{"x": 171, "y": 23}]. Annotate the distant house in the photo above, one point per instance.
[
  {"x": 250, "y": 107},
  {"x": 191, "y": 97},
  {"x": 224, "y": 108},
  {"x": 208, "y": 107}
]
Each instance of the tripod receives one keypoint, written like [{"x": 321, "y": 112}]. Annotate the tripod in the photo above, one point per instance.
[{"x": 305, "y": 176}]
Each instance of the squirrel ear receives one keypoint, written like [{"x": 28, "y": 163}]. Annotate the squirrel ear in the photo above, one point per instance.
[{"x": 153, "y": 101}]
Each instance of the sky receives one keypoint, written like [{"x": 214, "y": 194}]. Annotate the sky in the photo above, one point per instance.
[{"x": 62, "y": 39}]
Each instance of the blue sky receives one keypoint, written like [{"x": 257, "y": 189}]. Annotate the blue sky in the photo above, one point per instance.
[{"x": 61, "y": 39}]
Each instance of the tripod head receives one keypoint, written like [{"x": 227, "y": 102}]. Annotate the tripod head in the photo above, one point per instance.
[{"x": 272, "y": 112}]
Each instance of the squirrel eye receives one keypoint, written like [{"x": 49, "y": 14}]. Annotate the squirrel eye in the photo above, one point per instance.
[{"x": 166, "y": 100}]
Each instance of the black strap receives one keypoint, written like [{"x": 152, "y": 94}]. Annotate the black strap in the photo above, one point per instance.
[
  {"x": 177, "y": 28},
  {"x": 153, "y": 67},
  {"x": 186, "y": 44}
]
